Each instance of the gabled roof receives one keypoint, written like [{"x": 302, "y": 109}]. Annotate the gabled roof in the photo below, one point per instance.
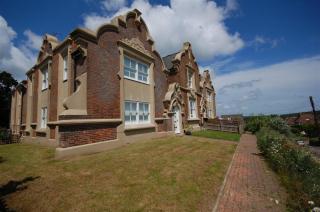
[{"x": 168, "y": 60}]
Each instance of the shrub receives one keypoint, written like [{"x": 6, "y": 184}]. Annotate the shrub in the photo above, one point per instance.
[
  {"x": 299, "y": 171},
  {"x": 254, "y": 124}
]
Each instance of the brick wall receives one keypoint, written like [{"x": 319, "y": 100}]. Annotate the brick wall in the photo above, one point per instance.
[
  {"x": 53, "y": 98},
  {"x": 35, "y": 83},
  {"x": 164, "y": 125},
  {"x": 79, "y": 135},
  {"x": 24, "y": 107}
]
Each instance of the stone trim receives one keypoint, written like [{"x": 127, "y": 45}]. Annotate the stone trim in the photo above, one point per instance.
[
  {"x": 84, "y": 121},
  {"x": 138, "y": 127}
]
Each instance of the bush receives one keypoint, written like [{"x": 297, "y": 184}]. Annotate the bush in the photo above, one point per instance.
[
  {"x": 254, "y": 124},
  {"x": 299, "y": 171}
]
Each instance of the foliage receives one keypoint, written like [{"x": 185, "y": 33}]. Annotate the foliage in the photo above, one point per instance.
[
  {"x": 298, "y": 170},
  {"x": 255, "y": 123},
  {"x": 217, "y": 135},
  {"x": 7, "y": 82},
  {"x": 310, "y": 129}
]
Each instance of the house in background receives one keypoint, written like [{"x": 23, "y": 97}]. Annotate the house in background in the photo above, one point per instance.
[
  {"x": 110, "y": 86},
  {"x": 300, "y": 118}
]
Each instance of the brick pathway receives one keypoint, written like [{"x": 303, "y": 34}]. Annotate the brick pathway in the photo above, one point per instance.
[{"x": 250, "y": 184}]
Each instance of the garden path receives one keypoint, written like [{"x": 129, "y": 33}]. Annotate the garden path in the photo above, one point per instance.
[{"x": 250, "y": 185}]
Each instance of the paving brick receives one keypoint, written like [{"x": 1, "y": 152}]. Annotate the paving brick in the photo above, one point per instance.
[{"x": 250, "y": 184}]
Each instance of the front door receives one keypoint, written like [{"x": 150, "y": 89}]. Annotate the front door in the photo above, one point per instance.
[{"x": 176, "y": 120}]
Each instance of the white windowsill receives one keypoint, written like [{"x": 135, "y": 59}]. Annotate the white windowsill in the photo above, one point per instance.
[
  {"x": 138, "y": 126},
  {"x": 139, "y": 81}
]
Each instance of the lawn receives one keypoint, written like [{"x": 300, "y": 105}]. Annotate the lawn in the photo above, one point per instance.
[
  {"x": 168, "y": 174},
  {"x": 217, "y": 135}
]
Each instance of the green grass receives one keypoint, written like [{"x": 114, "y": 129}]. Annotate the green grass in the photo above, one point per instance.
[
  {"x": 168, "y": 174},
  {"x": 217, "y": 135}
]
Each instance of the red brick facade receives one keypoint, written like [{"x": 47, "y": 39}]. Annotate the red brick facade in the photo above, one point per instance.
[
  {"x": 80, "y": 134},
  {"x": 97, "y": 56}
]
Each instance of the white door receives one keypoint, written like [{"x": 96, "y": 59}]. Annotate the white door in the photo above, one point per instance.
[{"x": 176, "y": 120}]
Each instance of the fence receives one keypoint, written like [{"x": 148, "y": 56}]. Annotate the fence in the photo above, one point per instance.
[
  {"x": 235, "y": 126},
  {"x": 7, "y": 137}
]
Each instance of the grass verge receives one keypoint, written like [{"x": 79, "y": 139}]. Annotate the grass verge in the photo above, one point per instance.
[
  {"x": 169, "y": 174},
  {"x": 217, "y": 135}
]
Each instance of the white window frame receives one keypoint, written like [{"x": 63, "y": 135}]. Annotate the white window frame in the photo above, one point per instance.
[
  {"x": 45, "y": 78},
  {"x": 65, "y": 67},
  {"x": 190, "y": 78},
  {"x": 141, "y": 109},
  {"x": 192, "y": 108},
  {"x": 44, "y": 117},
  {"x": 135, "y": 70}
]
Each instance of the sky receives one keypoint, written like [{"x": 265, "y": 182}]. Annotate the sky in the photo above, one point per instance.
[{"x": 264, "y": 56}]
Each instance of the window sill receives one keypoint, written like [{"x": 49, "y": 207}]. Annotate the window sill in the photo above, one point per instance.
[
  {"x": 42, "y": 130},
  {"x": 138, "y": 126},
  {"x": 65, "y": 80},
  {"x": 44, "y": 89},
  {"x": 134, "y": 80},
  {"x": 193, "y": 119}
]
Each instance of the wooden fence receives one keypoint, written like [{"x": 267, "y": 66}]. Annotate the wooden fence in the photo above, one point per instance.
[{"x": 235, "y": 126}]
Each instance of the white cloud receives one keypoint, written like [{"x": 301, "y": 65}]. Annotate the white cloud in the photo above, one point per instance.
[
  {"x": 6, "y": 35},
  {"x": 16, "y": 59},
  {"x": 112, "y": 5},
  {"x": 260, "y": 41},
  {"x": 34, "y": 41},
  {"x": 199, "y": 21},
  {"x": 279, "y": 88}
]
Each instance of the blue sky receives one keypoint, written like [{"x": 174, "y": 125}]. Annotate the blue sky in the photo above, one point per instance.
[{"x": 264, "y": 55}]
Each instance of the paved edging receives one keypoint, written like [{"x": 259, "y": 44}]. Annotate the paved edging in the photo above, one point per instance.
[{"x": 225, "y": 180}]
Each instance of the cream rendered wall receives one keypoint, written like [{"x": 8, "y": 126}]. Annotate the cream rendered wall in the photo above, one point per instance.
[{"x": 135, "y": 91}]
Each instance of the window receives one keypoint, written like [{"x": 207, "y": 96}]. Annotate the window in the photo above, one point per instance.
[
  {"x": 135, "y": 70},
  {"x": 190, "y": 78},
  {"x": 45, "y": 79},
  {"x": 208, "y": 96},
  {"x": 65, "y": 68},
  {"x": 44, "y": 114},
  {"x": 192, "y": 108},
  {"x": 209, "y": 114},
  {"x": 136, "y": 112}
]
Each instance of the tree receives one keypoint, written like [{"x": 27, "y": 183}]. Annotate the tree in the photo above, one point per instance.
[{"x": 7, "y": 83}]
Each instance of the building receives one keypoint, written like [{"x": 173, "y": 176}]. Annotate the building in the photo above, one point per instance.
[{"x": 110, "y": 85}]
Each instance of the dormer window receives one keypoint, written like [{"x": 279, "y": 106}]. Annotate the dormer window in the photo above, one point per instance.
[
  {"x": 136, "y": 70},
  {"x": 190, "y": 78},
  {"x": 45, "y": 78},
  {"x": 65, "y": 67}
]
